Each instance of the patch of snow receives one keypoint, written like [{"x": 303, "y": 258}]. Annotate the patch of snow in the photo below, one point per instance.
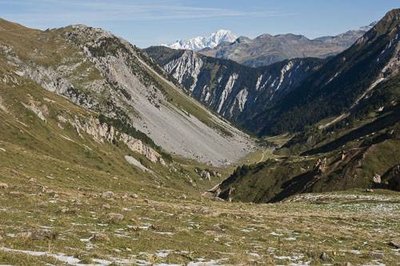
[
  {"x": 202, "y": 262},
  {"x": 163, "y": 253},
  {"x": 60, "y": 256},
  {"x": 165, "y": 233},
  {"x": 199, "y": 43}
]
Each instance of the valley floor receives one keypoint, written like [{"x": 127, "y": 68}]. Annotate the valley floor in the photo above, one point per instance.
[{"x": 44, "y": 224}]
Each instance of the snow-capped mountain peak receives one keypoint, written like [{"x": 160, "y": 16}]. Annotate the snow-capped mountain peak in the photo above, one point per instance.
[{"x": 199, "y": 43}]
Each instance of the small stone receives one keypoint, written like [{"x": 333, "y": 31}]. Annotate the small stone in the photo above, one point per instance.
[
  {"x": 115, "y": 217},
  {"x": 134, "y": 196},
  {"x": 324, "y": 256},
  {"x": 24, "y": 235},
  {"x": 395, "y": 243},
  {"x": 378, "y": 255},
  {"x": 133, "y": 228},
  {"x": 154, "y": 227},
  {"x": 43, "y": 234},
  {"x": 106, "y": 206},
  {"x": 205, "y": 175},
  {"x": 101, "y": 237},
  {"x": 369, "y": 190},
  {"x": 3, "y": 186},
  {"x": 107, "y": 195},
  {"x": 377, "y": 179},
  {"x": 125, "y": 196},
  {"x": 52, "y": 193},
  {"x": 183, "y": 196}
]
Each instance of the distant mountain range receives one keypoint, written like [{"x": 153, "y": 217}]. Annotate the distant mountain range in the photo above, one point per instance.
[
  {"x": 199, "y": 43},
  {"x": 267, "y": 49}
]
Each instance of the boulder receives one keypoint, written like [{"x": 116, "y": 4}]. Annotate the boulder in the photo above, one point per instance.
[
  {"x": 205, "y": 175},
  {"x": 115, "y": 217},
  {"x": 395, "y": 244},
  {"x": 377, "y": 179},
  {"x": 3, "y": 186},
  {"x": 100, "y": 237},
  {"x": 107, "y": 195},
  {"x": 41, "y": 234},
  {"x": 324, "y": 256}
]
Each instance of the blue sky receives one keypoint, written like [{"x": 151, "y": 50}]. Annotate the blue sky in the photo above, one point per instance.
[{"x": 151, "y": 22}]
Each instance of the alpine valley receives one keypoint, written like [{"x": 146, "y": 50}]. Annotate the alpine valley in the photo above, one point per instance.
[{"x": 115, "y": 155}]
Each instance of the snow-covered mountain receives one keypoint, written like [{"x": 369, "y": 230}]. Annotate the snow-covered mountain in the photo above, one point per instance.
[{"x": 199, "y": 43}]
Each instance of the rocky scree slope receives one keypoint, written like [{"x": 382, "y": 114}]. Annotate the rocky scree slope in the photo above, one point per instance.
[
  {"x": 106, "y": 74},
  {"x": 267, "y": 49},
  {"x": 234, "y": 91}
]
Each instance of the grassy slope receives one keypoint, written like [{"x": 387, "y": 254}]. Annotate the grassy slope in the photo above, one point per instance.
[
  {"x": 55, "y": 184},
  {"x": 373, "y": 152}
]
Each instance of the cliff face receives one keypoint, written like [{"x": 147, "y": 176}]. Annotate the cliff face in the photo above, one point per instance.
[{"x": 234, "y": 91}]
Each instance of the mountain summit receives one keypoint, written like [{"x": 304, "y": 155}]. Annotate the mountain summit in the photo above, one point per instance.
[{"x": 199, "y": 43}]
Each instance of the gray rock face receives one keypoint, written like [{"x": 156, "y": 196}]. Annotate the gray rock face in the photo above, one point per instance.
[
  {"x": 108, "y": 75},
  {"x": 234, "y": 91},
  {"x": 175, "y": 129}
]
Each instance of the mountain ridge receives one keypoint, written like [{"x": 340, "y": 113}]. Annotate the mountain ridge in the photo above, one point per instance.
[
  {"x": 106, "y": 74},
  {"x": 267, "y": 49},
  {"x": 199, "y": 43},
  {"x": 234, "y": 91}
]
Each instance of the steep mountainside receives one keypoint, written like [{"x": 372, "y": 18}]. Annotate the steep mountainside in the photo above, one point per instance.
[
  {"x": 234, "y": 91},
  {"x": 348, "y": 115},
  {"x": 108, "y": 75},
  {"x": 267, "y": 49},
  {"x": 355, "y": 80},
  {"x": 199, "y": 43}
]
